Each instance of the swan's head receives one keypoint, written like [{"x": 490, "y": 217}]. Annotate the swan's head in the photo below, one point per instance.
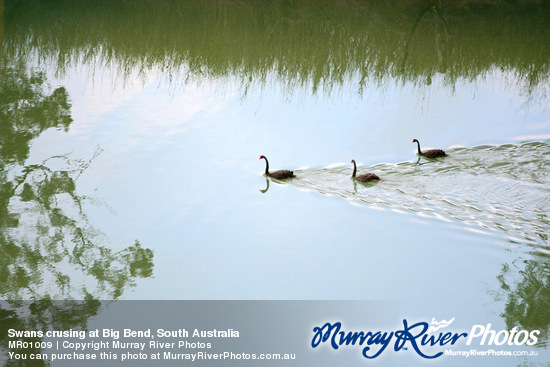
[
  {"x": 415, "y": 141},
  {"x": 353, "y": 161},
  {"x": 262, "y": 157}
]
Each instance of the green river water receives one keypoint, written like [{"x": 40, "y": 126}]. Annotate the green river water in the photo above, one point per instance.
[{"x": 130, "y": 134}]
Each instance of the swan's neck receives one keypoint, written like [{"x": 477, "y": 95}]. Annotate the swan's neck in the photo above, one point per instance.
[
  {"x": 354, "y": 170},
  {"x": 418, "y": 144},
  {"x": 266, "y": 166}
]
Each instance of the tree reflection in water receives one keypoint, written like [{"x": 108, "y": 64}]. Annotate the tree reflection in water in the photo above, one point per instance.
[
  {"x": 527, "y": 296},
  {"x": 49, "y": 250}
]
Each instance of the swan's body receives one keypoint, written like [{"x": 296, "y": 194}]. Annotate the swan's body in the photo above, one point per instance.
[
  {"x": 365, "y": 177},
  {"x": 432, "y": 153},
  {"x": 281, "y": 174}
]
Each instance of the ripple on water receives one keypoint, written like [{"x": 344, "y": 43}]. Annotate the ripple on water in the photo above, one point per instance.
[{"x": 501, "y": 188}]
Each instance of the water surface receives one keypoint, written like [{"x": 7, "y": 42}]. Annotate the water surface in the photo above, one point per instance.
[{"x": 131, "y": 135}]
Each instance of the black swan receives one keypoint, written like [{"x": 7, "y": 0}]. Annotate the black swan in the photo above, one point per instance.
[
  {"x": 365, "y": 177},
  {"x": 281, "y": 175},
  {"x": 432, "y": 153}
]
